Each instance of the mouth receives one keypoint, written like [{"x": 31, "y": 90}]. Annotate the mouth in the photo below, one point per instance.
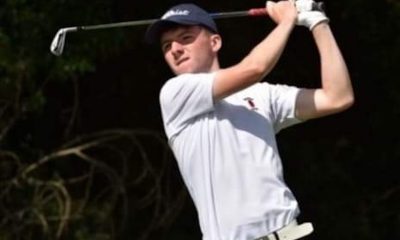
[{"x": 179, "y": 62}]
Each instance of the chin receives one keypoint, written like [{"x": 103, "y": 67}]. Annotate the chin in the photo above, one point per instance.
[
  {"x": 179, "y": 72},
  {"x": 184, "y": 70}
]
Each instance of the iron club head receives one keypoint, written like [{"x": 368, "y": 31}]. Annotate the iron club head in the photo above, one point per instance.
[{"x": 57, "y": 45}]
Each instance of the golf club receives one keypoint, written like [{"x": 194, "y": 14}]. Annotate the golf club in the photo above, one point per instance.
[{"x": 57, "y": 45}]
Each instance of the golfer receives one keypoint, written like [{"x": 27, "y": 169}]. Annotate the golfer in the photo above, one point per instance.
[{"x": 221, "y": 123}]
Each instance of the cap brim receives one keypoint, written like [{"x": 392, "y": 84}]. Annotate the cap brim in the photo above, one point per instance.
[{"x": 155, "y": 30}]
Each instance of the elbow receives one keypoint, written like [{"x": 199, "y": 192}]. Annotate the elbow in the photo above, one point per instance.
[
  {"x": 255, "y": 70},
  {"x": 258, "y": 72},
  {"x": 348, "y": 100},
  {"x": 347, "y": 103},
  {"x": 347, "y": 96},
  {"x": 344, "y": 103}
]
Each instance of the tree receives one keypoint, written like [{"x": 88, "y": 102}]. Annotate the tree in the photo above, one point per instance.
[
  {"x": 83, "y": 154},
  {"x": 58, "y": 181}
]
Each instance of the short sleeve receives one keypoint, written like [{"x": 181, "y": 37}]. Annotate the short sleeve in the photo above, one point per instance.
[
  {"x": 282, "y": 101},
  {"x": 184, "y": 98}
]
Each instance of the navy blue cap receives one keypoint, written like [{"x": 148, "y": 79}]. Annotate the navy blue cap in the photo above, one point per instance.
[{"x": 182, "y": 14}]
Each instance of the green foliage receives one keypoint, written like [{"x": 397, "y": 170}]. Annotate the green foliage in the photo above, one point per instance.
[
  {"x": 65, "y": 175},
  {"x": 26, "y": 65},
  {"x": 42, "y": 193}
]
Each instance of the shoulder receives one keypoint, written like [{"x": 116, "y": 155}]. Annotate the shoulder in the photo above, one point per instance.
[
  {"x": 186, "y": 82},
  {"x": 172, "y": 85}
]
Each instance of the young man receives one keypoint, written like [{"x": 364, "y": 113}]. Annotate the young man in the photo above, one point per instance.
[{"x": 221, "y": 123}]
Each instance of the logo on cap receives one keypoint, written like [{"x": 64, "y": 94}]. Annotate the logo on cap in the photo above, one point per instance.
[{"x": 175, "y": 12}]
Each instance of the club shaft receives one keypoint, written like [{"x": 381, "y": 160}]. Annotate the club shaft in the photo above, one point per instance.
[
  {"x": 251, "y": 12},
  {"x": 57, "y": 45},
  {"x": 117, "y": 24}
]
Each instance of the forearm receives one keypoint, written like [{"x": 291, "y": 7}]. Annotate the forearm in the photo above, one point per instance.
[
  {"x": 258, "y": 63},
  {"x": 336, "y": 84},
  {"x": 267, "y": 53}
]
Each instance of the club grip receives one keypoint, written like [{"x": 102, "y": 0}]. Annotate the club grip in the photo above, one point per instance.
[
  {"x": 320, "y": 6},
  {"x": 257, "y": 12}
]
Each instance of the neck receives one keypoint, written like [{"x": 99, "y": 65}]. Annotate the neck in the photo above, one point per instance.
[{"x": 214, "y": 66}]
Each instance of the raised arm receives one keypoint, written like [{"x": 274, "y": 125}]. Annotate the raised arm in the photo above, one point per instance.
[
  {"x": 261, "y": 60},
  {"x": 336, "y": 93}
]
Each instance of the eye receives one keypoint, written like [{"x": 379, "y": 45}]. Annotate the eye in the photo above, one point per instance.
[
  {"x": 166, "y": 47},
  {"x": 187, "y": 38}
]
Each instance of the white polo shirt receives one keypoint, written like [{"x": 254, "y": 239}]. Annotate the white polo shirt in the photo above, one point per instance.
[{"x": 228, "y": 156}]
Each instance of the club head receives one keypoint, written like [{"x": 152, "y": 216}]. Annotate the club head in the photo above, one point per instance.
[{"x": 57, "y": 45}]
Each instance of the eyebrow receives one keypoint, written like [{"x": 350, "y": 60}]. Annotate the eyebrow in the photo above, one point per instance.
[{"x": 184, "y": 31}]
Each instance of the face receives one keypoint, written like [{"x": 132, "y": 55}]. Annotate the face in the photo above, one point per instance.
[{"x": 190, "y": 49}]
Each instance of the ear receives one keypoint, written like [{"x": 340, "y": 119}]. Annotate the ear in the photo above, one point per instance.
[{"x": 216, "y": 42}]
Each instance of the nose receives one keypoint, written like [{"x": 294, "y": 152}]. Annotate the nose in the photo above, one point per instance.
[{"x": 176, "y": 49}]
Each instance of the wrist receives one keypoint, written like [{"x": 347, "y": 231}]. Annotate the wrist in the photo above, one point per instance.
[
  {"x": 288, "y": 22},
  {"x": 311, "y": 19},
  {"x": 321, "y": 26}
]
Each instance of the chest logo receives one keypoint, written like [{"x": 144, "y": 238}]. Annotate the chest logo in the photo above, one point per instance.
[{"x": 250, "y": 103}]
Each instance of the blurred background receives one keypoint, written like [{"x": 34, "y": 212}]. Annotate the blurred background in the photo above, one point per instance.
[{"x": 83, "y": 154}]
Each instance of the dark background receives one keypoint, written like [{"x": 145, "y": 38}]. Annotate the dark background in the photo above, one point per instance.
[{"x": 82, "y": 149}]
